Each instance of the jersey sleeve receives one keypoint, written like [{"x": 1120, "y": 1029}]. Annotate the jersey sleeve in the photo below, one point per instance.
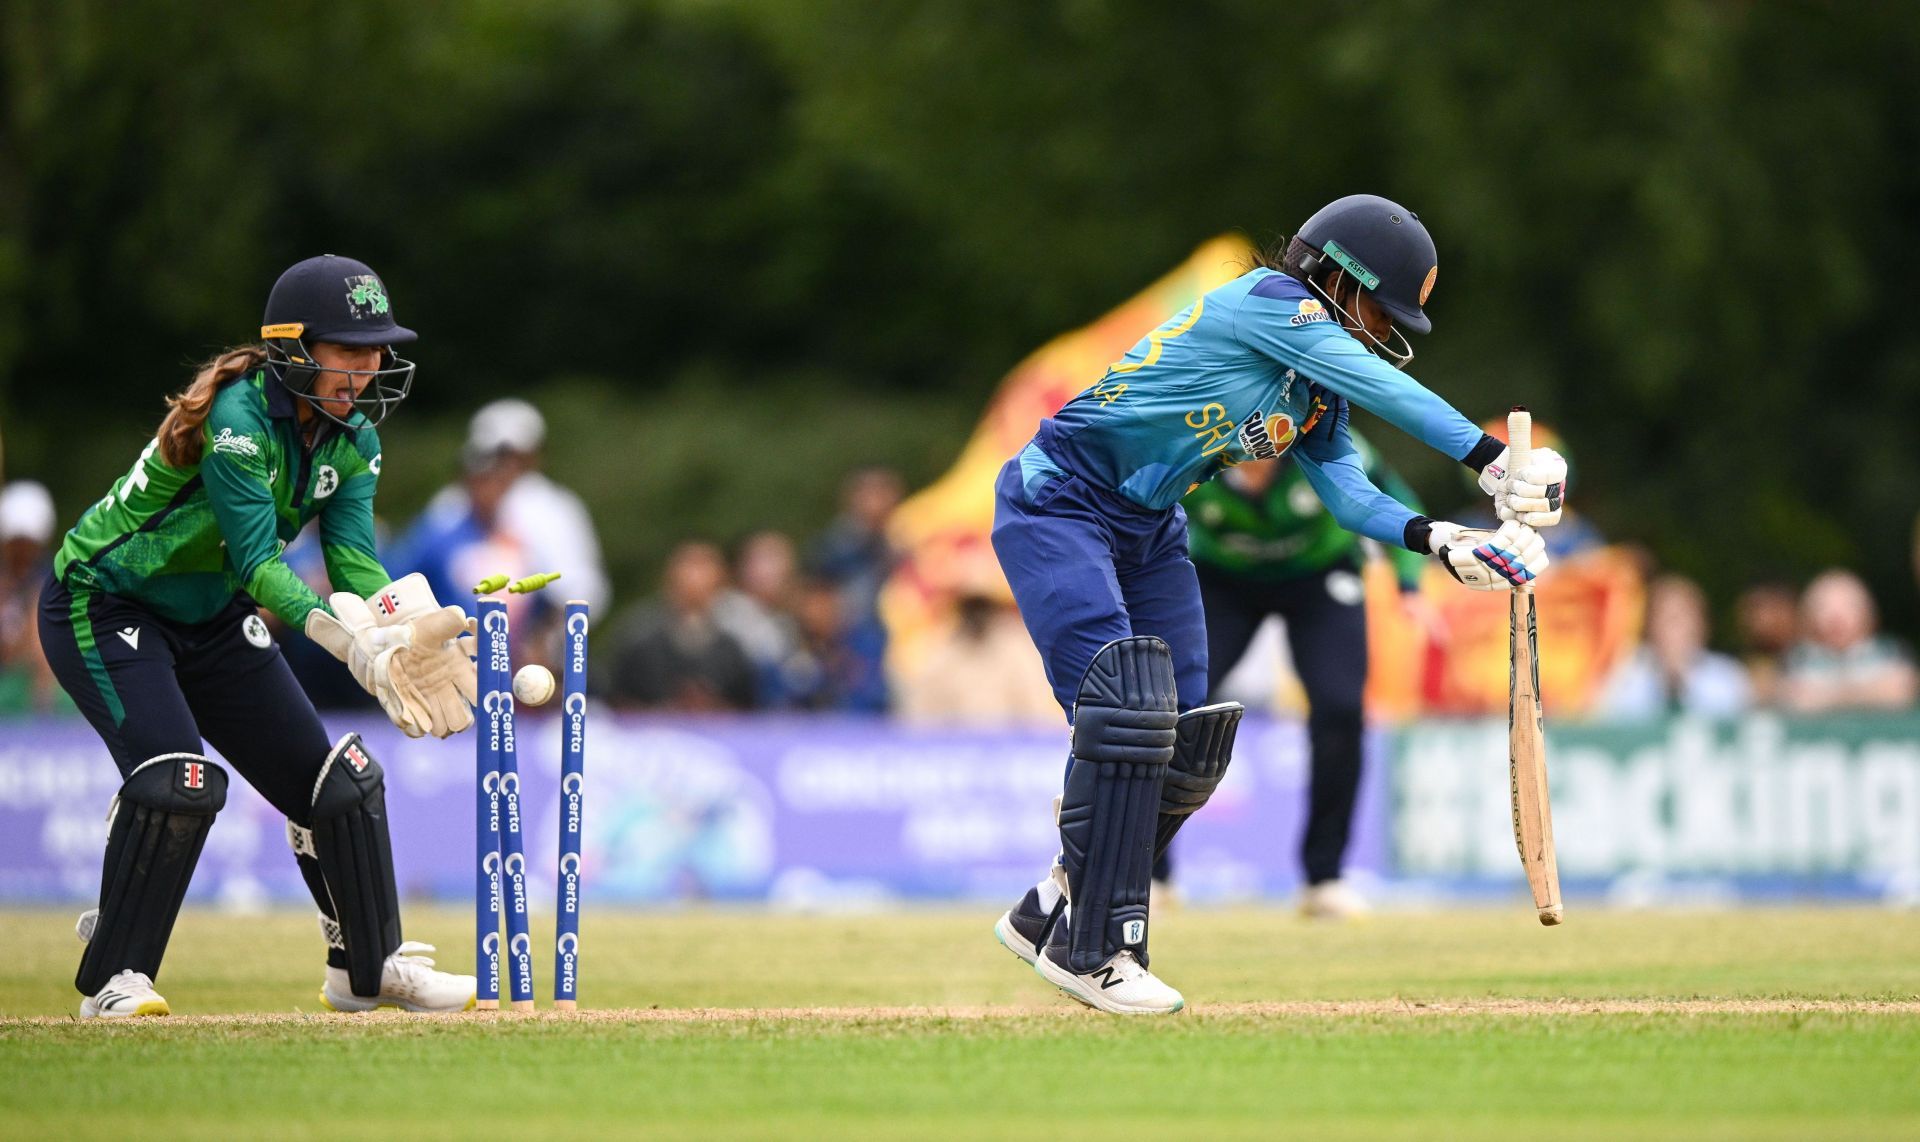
[
  {"x": 346, "y": 523},
  {"x": 1408, "y": 566},
  {"x": 1331, "y": 465},
  {"x": 1300, "y": 334},
  {"x": 234, "y": 470}
]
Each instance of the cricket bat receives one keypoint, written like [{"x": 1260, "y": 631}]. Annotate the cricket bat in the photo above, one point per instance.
[{"x": 1526, "y": 740}]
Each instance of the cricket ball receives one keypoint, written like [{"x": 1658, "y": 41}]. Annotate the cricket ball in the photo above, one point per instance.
[{"x": 532, "y": 685}]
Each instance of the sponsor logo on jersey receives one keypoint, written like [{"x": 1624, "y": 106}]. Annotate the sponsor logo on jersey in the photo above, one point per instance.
[
  {"x": 227, "y": 441},
  {"x": 373, "y": 465},
  {"x": 1310, "y": 311},
  {"x": 255, "y": 628},
  {"x": 366, "y": 297},
  {"x": 326, "y": 482}
]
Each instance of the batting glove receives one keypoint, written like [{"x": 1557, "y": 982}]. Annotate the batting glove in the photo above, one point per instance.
[
  {"x": 1490, "y": 560},
  {"x": 1533, "y": 496}
]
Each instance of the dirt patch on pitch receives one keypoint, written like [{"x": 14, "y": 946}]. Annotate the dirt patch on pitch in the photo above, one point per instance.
[{"x": 1301, "y": 1009}]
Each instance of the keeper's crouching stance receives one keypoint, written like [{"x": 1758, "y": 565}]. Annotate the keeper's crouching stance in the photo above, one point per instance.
[
  {"x": 150, "y": 622},
  {"x": 1088, "y": 528}
]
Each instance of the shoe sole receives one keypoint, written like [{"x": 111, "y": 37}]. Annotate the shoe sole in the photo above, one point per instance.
[
  {"x": 407, "y": 1007},
  {"x": 1011, "y": 939},
  {"x": 150, "y": 1008},
  {"x": 1070, "y": 985}
]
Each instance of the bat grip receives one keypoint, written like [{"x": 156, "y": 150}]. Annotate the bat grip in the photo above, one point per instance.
[{"x": 1519, "y": 439}]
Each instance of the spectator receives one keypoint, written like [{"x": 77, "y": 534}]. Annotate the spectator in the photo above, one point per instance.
[
  {"x": 1840, "y": 662},
  {"x": 1673, "y": 672},
  {"x": 1769, "y": 616},
  {"x": 856, "y": 556},
  {"x": 26, "y": 529},
  {"x": 823, "y": 670},
  {"x": 758, "y": 610},
  {"x": 673, "y": 654},
  {"x": 548, "y": 522},
  {"x": 981, "y": 672},
  {"x": 462, "y": 537}
]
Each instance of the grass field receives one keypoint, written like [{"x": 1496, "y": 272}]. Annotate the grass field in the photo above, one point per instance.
[{"x": 1755, "y": 1024}]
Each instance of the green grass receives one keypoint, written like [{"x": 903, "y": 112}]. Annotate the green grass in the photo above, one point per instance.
[{"x": 1015, "y": 1057}]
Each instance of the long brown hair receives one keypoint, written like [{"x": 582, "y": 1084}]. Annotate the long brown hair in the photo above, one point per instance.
[{"x": 187, "y": 409}]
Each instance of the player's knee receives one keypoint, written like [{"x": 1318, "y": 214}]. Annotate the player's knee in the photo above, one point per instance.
[
  {"x": 349, "y": 778},
  {"x": 186, "y": 783}
]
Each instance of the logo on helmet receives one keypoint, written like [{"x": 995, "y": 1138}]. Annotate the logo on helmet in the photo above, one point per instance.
[
  {"x": 1426, "y": 287},
  {"x": 366, "y": 297}
]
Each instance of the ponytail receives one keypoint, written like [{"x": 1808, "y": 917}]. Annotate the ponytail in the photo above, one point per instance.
[{"x": 187, "y": 409}]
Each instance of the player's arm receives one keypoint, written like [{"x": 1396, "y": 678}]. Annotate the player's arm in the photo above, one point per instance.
[
  {"x": 1333, "y": 467},
  {"x": 1325, "y": 352},
  {"x": 1481, "y": 560},
  {"x": 1407, "y": 565},
  {"x": 240, "y": 492},
  {"x": 346, "y": 523}
]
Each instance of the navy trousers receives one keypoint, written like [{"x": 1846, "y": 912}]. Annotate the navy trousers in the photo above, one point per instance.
[
  {"x": 151, "y": 686},
  {"x": 1087, "y": 567}
]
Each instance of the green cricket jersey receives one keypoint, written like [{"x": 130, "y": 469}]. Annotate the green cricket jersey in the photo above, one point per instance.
[
  {"x": 184, "y": 541},
  {"x": 1286, "y": 532}
]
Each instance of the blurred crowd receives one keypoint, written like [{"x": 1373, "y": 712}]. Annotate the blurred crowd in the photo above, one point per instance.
[
  {"x": 1814, "y": 650},
  {"x": 778, "y": 622}
]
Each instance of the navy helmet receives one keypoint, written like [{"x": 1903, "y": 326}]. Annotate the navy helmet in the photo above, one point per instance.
[
  {"x": 1383, "y": 246},
  {"x": 341, "y": 301}
]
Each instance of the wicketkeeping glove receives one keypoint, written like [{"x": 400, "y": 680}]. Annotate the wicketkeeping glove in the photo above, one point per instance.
[
  {"x": 435, "y": 673},
  {"x": 1532, "y": 496},
  {"x": 1490, "y": 560},
  {"x": 351, "y": 635}
]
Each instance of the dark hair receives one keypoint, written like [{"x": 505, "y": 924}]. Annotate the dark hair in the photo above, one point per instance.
[
  {"x": 1284, "y": 255},
  {"x": 180, "y": 429}
]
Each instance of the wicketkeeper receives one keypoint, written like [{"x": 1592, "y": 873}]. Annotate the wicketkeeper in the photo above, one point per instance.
[
  {"x": 150, "y": 622},
  {"x": 1089, "y": 530}
]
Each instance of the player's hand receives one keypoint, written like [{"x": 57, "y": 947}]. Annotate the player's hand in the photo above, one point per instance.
[
  {"x": 1490, "y": 560},
  {"x": 1533, "y": 496},
  {"x": 435, "y": 673},
  {"x": 352, "y": 635}
]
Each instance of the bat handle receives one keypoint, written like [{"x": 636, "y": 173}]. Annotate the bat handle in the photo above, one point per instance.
[
  {"x": 1519, "y": 451},
  {"x": 1519, "y": 439}
]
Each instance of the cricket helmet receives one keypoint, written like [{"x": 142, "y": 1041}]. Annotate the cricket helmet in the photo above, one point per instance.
[
  {"x": 1380, "y": 244},
  {"x": 341, "y": 301}
]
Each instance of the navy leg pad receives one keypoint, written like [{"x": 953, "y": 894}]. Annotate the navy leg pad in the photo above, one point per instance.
[
  {"x": 1201, "y": 751},
  {"x": 1123, "y": 738},
  {"x": 158, "y": 826},
  {"x": 355, "y": 853}
]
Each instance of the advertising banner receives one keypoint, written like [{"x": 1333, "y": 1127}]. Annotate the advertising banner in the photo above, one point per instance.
[{"x": 850, "y": 812}]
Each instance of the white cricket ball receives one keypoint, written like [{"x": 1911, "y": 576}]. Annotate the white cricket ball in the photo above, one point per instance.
[{"x": 532, "y": 685}]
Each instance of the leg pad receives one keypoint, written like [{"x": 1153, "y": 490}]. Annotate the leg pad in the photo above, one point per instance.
[
  {"x": 155, "y": 832},
  {"x": 1123, "y": 737},
  {"x": 352, "y": 846},
  {"x": 1202, "y": 748}
]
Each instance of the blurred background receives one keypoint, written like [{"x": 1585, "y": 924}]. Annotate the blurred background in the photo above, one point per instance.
[{"x": 729, "y": 308}]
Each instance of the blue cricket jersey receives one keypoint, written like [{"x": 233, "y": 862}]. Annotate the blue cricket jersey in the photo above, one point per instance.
[{"x": 1164, "y": 418}]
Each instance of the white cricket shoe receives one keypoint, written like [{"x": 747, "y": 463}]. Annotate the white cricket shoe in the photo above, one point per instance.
[
  {"x": 1121, "y": 986},
  {"x": 1332, "y": 900},
  {"x": 127, "y": 994},
  {"x": 408, "y": 981}
]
